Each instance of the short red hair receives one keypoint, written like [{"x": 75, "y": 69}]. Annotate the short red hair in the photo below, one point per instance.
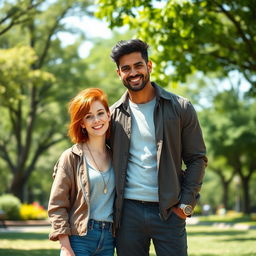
[{"x": 79, "y": 106}]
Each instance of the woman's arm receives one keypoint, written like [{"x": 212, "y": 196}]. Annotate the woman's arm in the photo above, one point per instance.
[
  {"x": 66, "y": 249},
  {"x": 59, "y": 201}
]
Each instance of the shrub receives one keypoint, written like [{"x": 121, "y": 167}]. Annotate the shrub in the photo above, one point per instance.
[
  {"x": 10, "y": 205},
  {"x": 32, "y": 212},
  {"x": 197, "y": 210}
]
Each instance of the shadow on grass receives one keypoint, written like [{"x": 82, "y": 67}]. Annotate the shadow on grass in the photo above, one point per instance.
[
  {"x": 225, "y": 219},
  {"x": 239, "y": 239},
  {"x": 24, "y": 236},
  {"x": 210, "y": 254},
  {"x": 217, "y": 233},
  {"x": 37, "y": 252}
]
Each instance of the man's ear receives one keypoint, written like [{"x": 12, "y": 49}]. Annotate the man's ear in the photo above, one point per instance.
[
  {"x": 149, "y": 64},
  {"x": 118, "y": 72}
]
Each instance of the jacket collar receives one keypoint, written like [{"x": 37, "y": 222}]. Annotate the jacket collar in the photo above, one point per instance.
[
  {"x": 77, "y": 149},
  {"x": 160, "y": 93}
]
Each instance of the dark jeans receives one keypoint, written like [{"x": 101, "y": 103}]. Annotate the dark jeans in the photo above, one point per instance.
[
  {"x": 98, "y": 241},
  {"x": 141, "y": 223}
]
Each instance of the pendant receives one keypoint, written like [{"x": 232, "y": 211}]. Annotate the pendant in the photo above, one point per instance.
[{"x": 105, "y": 190}]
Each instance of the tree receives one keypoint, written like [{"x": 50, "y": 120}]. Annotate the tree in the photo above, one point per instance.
[
  {"x": 230, "y": 133},
  {"x": 205, "y": 35},
  {"x": 17, "y": 81},
  {"x": 36, "y": 83},
  {"x": 16, "y": 13},
  {"x": 226, "y": 174}
]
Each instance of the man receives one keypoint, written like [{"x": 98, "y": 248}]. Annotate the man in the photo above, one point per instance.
[{"x": 153, "y": 131}]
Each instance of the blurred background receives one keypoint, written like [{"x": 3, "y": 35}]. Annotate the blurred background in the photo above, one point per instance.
[{"x": 204, "y": 50}]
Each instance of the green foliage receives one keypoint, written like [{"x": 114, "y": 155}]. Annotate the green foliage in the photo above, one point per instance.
[
  {"x": 189, "y": 35},
  {"x": 226, "y": 124},
  {"x": 229, "y": 128},
  {"x": 211, "y": 192},
  {"x": 16, "y": 76},
  {"x": 16, "y": 12},
  {"x": 10, "y": 205},
  {"x": 38, "y": 76}
]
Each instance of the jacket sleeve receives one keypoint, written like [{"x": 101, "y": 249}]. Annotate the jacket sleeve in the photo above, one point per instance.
[
  {"x": 59, "y": 202},
  {"x": 193, "y": 154}
]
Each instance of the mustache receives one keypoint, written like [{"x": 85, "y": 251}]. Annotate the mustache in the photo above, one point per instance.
[{"x": 131, "y": 77}]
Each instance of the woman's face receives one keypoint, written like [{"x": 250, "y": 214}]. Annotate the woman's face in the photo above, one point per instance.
[{"x": 96, "y": 121}]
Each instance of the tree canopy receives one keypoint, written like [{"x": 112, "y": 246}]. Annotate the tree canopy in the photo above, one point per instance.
[
  {"x": 16, "y": 13},
  {"x": 205, "y": 35}
]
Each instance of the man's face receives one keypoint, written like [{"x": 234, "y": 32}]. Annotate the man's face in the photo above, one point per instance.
[{"x": 134, "y": 71}]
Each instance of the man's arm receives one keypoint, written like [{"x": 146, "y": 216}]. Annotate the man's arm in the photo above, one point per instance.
[{"x": 193, "y": 155}]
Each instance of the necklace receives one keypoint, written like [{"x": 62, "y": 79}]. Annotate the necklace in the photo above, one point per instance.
[{"x": 105, "y": 189}]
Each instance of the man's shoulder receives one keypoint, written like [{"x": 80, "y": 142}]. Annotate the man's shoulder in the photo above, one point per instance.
[
  {"x": 172, "y": 97},
  {"x": 118, "y": 103},
  {"x": 115, "y": 105}
]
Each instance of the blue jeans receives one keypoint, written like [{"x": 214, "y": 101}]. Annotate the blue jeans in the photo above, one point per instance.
[
  {"x": 98, "y": 240},
  {"x": 141, "y": 223}
]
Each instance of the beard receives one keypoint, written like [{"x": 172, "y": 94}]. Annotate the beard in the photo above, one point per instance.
[{"x": 136, "y": 87}]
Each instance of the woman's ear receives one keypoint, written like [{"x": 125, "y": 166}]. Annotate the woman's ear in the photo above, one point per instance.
[{"x": 82, "y": 125}]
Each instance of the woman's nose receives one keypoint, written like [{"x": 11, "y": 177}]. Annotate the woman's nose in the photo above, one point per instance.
[{"x": 96, "y": 118}]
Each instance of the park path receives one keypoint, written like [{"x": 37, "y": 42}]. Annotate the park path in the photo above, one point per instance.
[{"x": 44, "y": 226}]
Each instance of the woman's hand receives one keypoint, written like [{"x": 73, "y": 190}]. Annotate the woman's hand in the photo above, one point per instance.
[
  {"x": 66, "y": 249},
  {"x": 67, "y": 252}
]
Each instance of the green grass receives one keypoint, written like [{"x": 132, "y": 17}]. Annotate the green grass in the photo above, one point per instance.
[
  {"x": 212, "y": 241},
  {"x": 230, "y": 219},
  {"x": 202, "y": 241},
  {"x": 27, "y": 244}
]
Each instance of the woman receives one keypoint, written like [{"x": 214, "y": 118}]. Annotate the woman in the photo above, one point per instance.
[{"x": 81, "y": 201}]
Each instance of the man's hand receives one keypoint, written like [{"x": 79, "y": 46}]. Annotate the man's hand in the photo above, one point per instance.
[{"x": 179, "y": 212}]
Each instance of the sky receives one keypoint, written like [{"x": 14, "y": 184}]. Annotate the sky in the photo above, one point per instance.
[{"x": 92, "y": 27}]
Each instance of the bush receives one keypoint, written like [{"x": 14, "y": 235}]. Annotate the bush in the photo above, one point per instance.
[
  {"x": 197, "y": 210},
  {"x": 10, "y": 205},
  {"x": 32, "y": 212}
]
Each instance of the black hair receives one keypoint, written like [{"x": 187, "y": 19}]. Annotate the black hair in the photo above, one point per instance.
[{"x": 124, "y": 47}]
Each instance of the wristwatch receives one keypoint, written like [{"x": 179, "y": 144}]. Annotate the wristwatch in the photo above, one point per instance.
[{"x": 186, "y": 208}]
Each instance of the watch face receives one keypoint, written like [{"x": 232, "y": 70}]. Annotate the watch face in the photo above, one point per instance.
[{"x": 188, "y": 209}]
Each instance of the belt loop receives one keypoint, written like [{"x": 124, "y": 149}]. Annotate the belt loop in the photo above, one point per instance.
[
  {"x": 110, "y": 227},
  {"x": 91, "y": 224}
]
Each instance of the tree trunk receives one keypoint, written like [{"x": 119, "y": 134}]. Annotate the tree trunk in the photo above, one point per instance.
[
  {"x": 246, "y": 195},
  {"x": 225, "y": 186},
  {"x": 17, "y": 187}
]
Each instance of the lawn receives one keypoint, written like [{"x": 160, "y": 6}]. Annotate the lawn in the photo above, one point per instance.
[{"x": 202, "y": 241}]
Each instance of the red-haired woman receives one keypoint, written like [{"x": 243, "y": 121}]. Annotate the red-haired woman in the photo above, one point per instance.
[{"x": 81, "y": 201}]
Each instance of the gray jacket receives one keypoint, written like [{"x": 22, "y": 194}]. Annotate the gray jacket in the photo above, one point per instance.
[{"x": 178, "y": 138}]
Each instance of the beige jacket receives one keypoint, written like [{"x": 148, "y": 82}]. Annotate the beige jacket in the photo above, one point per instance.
[{"x": 68, "y": 208}]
